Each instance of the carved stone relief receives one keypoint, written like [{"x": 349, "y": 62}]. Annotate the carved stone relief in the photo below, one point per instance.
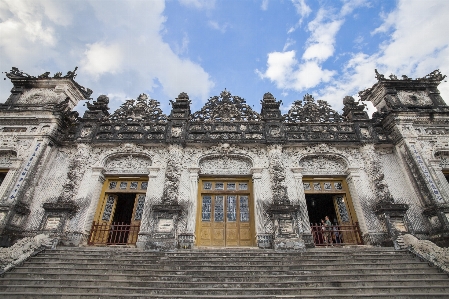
[
  {"x": 39, "y": 96},
  {"x": 323, "y": 164},
  {"x": 6, "y": 159},
  {"x": 418, "y": 98},
  {"x": 124, "y": 163},
  {"x": 226, "y": 165}
]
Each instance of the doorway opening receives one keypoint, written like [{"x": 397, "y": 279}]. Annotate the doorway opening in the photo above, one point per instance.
[
  {"x": 320, "y": 206},
  {"x": 119, "y": 212},
  {"x": 330, "y": 197},
  {"x": 124, "y": 209}
]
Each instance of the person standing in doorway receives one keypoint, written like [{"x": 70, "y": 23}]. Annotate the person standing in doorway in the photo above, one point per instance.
[{"x": 328, "y": 232}]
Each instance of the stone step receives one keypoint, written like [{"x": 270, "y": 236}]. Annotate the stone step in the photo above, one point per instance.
[
  {"x": 423, "y": 269},
  {"x": 224, "y": 262},
  {"x": 218, "y": 267},
  {"x": 220, "y": 258},
  {"x": 78, "y": 295},
  {"x": 391, "y": 290},
  {"x": 434, "y": 275},
  {"x": 318, "y": 283}
]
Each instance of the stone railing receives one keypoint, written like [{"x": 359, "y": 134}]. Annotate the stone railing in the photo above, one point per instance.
[
  {"x": 426, "y": 250},
  {"x": 22, "y": 250}
]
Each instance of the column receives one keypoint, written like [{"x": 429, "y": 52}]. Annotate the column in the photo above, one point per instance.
[
  {"x": 94, "y": 191},
  {"x": 303, "y": 213},
  {"x": 193, "y": 184},
  {"x": 355, "y": 185},
  {"x": 145, "y": 223}
]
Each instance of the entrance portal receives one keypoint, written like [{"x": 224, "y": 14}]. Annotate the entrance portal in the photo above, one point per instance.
[
  {"x": 320, "y": 206},
  {"x": 225, "y": 213},
  {"x": 119, "y": 212},
  {"x": 330, "y": 197}
]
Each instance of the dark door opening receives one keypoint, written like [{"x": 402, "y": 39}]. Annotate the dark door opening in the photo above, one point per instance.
[
  {"x": 124, "y": 209},
  {"x": 122, "y": 218},
  {"x": 320, "y": 206}
]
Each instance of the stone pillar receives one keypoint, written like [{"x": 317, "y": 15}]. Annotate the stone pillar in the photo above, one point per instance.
[
  {"x": 186, "y": 240},
  {"x": 145, "y": 225},
  {"x": 95, "y": 185},
  {"x": 437, "y": 211},
  {"x": 355, "y": 186},
  {"x": 264, "y": 240},
  {"x": 303, "y": 215}
]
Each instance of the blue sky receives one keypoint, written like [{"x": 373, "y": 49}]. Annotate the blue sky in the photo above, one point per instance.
[{"x": 327, "y": 48}]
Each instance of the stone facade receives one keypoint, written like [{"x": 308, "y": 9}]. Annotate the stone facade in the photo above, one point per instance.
[{"x": 56, "y": 162}]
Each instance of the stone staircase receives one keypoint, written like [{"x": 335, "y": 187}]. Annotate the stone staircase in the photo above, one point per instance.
[{"x": 90, "y": 272}]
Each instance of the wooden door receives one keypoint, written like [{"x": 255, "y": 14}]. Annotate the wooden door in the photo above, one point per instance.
[
  {"x": 225, "y": 218},
  {"x": 102, "y": 234},
  {"x": 344, "y": 218},
  {"x": 136, "y": 218}
]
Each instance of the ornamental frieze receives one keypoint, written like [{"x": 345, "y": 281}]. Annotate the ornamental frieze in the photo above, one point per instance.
[{"x": 323, "y": 164}]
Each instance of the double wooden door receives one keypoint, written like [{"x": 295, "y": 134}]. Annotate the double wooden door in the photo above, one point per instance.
[{"x": 225, "y": 214}]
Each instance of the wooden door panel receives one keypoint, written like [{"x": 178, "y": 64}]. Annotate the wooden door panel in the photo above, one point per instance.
[
  {"x": 218, "y": 237},
  {"x": 136, "y": 218},
  {"x": 205, "y": 235},
  {"x": 344, "y": 218},
  {"x": 101, "y": 236}
]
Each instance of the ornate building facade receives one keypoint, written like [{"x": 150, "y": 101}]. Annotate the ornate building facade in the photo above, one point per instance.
[{"x": 225, "y": 175}]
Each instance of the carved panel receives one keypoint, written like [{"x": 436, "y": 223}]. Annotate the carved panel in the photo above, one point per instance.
[
  {"x": 225, "y": 165},
  {"x": 323, "y": 164},
  {"x": 6, "y": 159},
  {"x": 415, "y": 98},
  {"x": 128, "y": 164},
  {"x": 39, "y": 96}
]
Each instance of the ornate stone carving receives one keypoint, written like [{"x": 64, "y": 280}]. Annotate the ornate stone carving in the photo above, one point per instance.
[
  {"x": 323, "y": 164},
  {"x": 277, "y": 173},
  {"x": 6, "y": 158},
  {"x": 224, "y": 108},
  {"x": 172, "y": 176},
  {"x": 132, "y": 163},
  {"x": 309, "y": 111},
  {"x": 15, "y": 74},
  {"x": 142, "y": 109},
  {"x": 39, "y": 96},
  {"x": 225, "y": 165},
  {"x": 374, "y": 170}
]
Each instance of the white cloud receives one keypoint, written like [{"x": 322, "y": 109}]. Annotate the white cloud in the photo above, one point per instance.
[
  {"x": 215, "y": 25},
  {"x": 199, "y": 4},
  {"x": 303, "y": 10},
  {"x": 264, "y": 5},
  {"x": 290, "y": 42},
  {"x": 417, "y": 44},
  {"x": 287, "y": 72},
  {"x": 118, "y": 47},
  {"x": 100, "y": 59}
]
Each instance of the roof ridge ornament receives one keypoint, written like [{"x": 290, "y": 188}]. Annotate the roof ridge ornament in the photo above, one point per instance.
[
  {"x": 436, "y": 75},
  {"x": 142, "y": 109},
  {"x": 308, "y": 110},
  {"x": 226, "y": 107}
]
